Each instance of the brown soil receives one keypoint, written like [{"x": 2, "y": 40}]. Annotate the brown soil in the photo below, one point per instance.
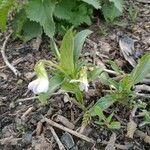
[{"x": 19, "y": 132}]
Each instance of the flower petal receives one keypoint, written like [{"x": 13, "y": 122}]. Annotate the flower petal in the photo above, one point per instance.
[
  {"x": 33, "y": 85},
  {"x": 43, "y": 85},
  {"x": 84, "y": 86}
]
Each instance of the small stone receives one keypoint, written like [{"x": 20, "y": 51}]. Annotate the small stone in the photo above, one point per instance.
[{"x": 67, "y": 140}]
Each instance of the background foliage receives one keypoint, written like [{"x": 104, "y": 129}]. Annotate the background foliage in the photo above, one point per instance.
[{"x": 50, "y": 16}]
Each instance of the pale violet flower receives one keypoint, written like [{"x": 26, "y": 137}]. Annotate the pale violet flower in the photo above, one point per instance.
[
  {"x": 40, "y": 85},
  {"x": 83, "y": 84}
]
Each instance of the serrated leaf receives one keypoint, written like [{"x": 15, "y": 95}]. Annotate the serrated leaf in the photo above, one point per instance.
[
  {"x": 5, "y": 7},
  {"x": 79, "y": 41},
  {"x": 81, "y": 15},
  {"x": 66, "y": 53},
  {"x": 18, "y": 22},
  {"x": 41, "y": 11},
  {"x": 64, "y": 8},
  {"x": 118, "y": 4},
  {"x": 141, "y": 70},
  {"x": 110, "y": 12},
  {"x": 94, "y": 3},
  {"x": 54, "y": 84},
  {"x": 31, "y": 30}
]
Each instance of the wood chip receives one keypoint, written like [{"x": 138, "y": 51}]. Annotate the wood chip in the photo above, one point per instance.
[{"x": 65, "y": 121}]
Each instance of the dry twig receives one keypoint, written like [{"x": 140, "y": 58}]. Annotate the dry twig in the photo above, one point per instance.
[
  {"x": 10, "y": 66},
  {"x": 143, "y": 136},
  {"x": 143, "y": 1},
  {"x": 81, "y": 136},
  {"x": 123, "y": 147},
  {"x": 142, "y": 87},
  {"x": 60, "y": 145},
  {"x": 28, "y": 111}
]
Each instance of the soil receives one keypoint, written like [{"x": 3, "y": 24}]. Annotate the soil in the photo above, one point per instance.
[{"x": 22, "y": 130}]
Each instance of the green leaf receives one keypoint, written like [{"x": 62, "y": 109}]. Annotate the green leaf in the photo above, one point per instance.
[
  {"x": 41, "y": 11},
  {"x": 99, "y": 123},
  {"x": 66, "y": 53},
  {"x": 124, "y": 83},
  {"x": 94, "y": 3},
  {"x": 103, "y": 103},
  {"x": 114, "y": 66},
  {"x": 108, "y": 120},
  {"x": 54, "y": 48},
  {"x": 114, "y": 125},
  {"x": 54, "y": 84},
  {"x": 113, "y": 83},
  {"x": 5, "y": 7},
  {"x": 69, "y": 87},
  {"x": 18, "y": 23},
  {"x": 79, "y": 96},
  {"x": 31, "y": 30},
  {"x": 98, "y": 111},
  {"x": 92, "y": 75},
  {"x": 118, "y": 4},
  {"x": 81, "y": 15},
  {"x": 141, "y": 70},
  {"x": 63, "y": 9},
  {"x": 104, "y": 78},
  {"x": 110, "y": 12},
  {"x": 147, "y": 116},
  {"x": 78, "y": 43}
]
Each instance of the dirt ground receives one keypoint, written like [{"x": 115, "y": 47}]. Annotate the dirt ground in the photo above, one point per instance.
[{"x": 21, "y": 126}]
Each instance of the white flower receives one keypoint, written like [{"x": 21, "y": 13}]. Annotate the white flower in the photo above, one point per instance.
[
  {"x": 83, "y": 84},
  {"x": 40, "y": 85}
]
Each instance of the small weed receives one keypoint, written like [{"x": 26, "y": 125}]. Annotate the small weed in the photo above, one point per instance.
[{"x": 133, "y": 13}]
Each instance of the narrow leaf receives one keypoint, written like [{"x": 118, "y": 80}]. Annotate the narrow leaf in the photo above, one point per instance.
[
  {"x": 99, "y": 112},
  {"x": 103, "y": 103},
  {"x": 66, "y": 53},
  {"x": 141, "y": 70},
  {"x": 79, "y": 41},
  {"x": 114, "y": 125}
]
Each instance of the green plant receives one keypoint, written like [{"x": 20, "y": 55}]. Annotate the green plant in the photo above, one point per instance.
[
  {"x": 103, "y": 30},
  {"x": 54, "y": 15},
  {"x": 133, "y": 13},
  {"x": 122, "y": 91},
  {"x": 51, "y": 12},
  {"x": 146, "y": 118},
  {"x": 5, "y": 7},
  {"x": 107, "y": 121},
  {"x": 112, "y": 9},
  {"x": 70, "y": 74}
]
